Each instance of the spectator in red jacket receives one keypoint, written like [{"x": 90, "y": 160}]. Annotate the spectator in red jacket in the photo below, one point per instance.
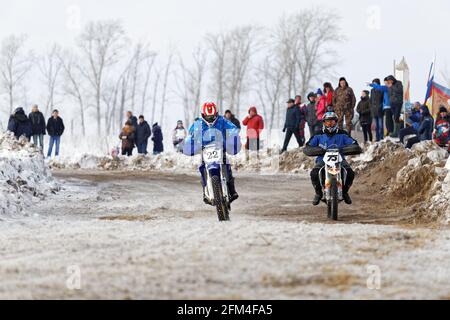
[
  {"x": 321, "y": 109},
  {"x": 328, "y": 93},
  {"x": 255, "y": 124}
]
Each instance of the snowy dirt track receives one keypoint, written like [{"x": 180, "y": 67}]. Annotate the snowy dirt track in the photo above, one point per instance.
[{"x": 149, "y": 236}]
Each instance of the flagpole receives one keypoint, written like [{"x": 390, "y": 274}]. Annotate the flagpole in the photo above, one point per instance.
[
  {"x": 432, "y": 95},
  {"x": 428, "y": 85}
]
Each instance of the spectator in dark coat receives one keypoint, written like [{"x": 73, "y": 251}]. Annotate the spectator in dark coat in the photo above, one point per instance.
[
  {"x": 157, "y": 139},
  {"x": 19, "y": 124},
  {"x": 311, "y": 114},
  {"x": 376, "y": 105},
  {"x": 37, "y": 126},
  {"x": 365, "y": 115},
  {"x": 395, "y": 88},
  {"x": 55, "y": 129},
  {"x": 128, "y": 135},
  {"x": 230, "y": 117},
  {"x": 302, "y": 108},
  {"x": 344, "y": 102},
  {"x": 143, "y": 133},
  {"x": 292, "y": 125},
  {"x": 387, "y": 111},
  {"x": 425, "y": 131},
  {"x": 133, "y": 119},
  {"x": 412, "y": 122}
]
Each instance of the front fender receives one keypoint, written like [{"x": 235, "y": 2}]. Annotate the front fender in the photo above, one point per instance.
[{"x": 214, "y": 169}]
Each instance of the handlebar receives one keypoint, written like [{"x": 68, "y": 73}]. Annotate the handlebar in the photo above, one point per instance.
[{"x": 349, "y": 150}]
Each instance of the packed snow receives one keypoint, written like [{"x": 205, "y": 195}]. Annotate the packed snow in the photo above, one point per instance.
[
  {"x": 24, "y": 176},
  {"x": 267, "y": 161},
  {"x": 143, "y": 235},
  {"x": 151, "y": 208}
]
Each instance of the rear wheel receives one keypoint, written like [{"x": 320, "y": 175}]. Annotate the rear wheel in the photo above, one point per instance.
[
  {"x": 219, "y": 201},
  {"x": 334, "y": 201}
]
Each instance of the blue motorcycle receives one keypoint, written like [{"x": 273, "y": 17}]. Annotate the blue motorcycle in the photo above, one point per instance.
[{"x": 216, "y": 190}]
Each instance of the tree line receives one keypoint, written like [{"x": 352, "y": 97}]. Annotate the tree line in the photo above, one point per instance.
[{"x": 106, "y": 73}]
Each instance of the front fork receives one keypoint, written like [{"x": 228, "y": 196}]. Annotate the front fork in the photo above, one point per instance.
[
  {"x": 327, "y": 185},
  {"x": 224, "y": 179},
  {"x": 207, "y": 185}
]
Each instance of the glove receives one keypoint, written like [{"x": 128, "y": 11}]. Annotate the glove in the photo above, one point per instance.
[{"x": 284, "y": 129}]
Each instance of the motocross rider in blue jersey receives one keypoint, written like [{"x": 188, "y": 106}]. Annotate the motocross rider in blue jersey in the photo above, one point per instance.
[
  {"x": 212, "y": 128},
  {"x": 331, "y": 137}
]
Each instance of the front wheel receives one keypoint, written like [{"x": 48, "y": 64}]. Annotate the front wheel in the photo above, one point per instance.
[
  {"x": 219, "y": 201},
  {"x": 333, "y": 201}
]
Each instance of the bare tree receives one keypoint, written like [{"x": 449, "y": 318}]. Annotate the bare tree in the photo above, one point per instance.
[
  {"x": 72, "y": 84},
  {"x": 14, "y": 65},
  {"x": 149, "y": 63},
  {"x": 320, "y": 33},
  {"x": 270, "y": 75},
  {"x": 232, "y": 52},
  {"x": 141, "y": 55},
  {"x": 192, "y": 81},
  {"x": 155, "y": 94},
  {"x": 242, "y": 45},
  {"x": 218, "y": 43},
  {"x": 50, "y": 65},
  {"x": 286, "y": 46},
  {"x": 116, "y": 95},
  {"x": 165, "y": 83},
  {"x": 306, "y": 41},
  {"x": 101, "y": 44},
  {"x": 110, "y": 97}
]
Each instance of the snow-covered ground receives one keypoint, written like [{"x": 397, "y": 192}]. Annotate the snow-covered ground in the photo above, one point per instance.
[
  {"x": 24, "y": 177},
  {"x": 148, "y": 235},
  {"x": 137, "y": 228}
]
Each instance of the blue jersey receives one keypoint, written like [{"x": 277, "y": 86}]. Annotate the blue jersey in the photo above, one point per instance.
[
  {"x": 337, "y": 140},
  {"x": 385, "y": 90},
  {"x": 223, "y": 131}
]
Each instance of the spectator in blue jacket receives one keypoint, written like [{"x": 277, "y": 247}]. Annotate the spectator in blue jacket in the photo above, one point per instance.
[
  {"x": 387, "y": 110},
  {"x": 425, "y": 130},
  {"x": 157, "y": 139},
  {"x": 412, "y": 122},
  {"x": 19, "y": 124},
  {"x": 143, "y": 133}
]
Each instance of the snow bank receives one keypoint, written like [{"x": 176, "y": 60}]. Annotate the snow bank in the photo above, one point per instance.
[
  {"x": 269, "y": 161},
  {"x": 165, "y": 161},
  {"x": 24, "y": 176},
  {"x": 414, "y": 178},
  {"x": 438, "y": 201}
]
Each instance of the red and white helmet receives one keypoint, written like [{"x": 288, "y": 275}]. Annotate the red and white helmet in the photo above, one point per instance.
[{"x": 209, "y": 113}]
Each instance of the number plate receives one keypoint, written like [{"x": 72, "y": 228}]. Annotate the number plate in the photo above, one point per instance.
[
  {"x": 212, "y": 154},
  {"x": 331, "y": 158}
]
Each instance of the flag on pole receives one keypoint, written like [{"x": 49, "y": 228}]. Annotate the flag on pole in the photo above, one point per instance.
[
  {"x": 429, "y": 83},
  {"x": 437, "y": 96}
]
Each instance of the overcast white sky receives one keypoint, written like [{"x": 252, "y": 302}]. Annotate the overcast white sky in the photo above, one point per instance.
[{"x": 414, "y": 29}]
